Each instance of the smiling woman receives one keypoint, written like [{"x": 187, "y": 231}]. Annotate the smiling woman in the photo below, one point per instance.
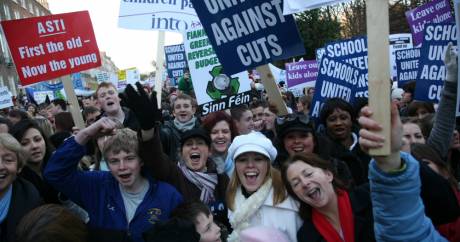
[
  {"x": 256, "y": 195},
  {"x": 38, "y": 150},
  {"x": 17, "y": 196}
]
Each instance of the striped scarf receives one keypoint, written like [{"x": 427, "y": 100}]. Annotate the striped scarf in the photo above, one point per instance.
[{"x": 206, "y": 182}]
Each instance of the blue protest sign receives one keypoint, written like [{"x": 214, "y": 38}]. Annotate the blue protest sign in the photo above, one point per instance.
[
  {"x": 431, "y": 72},
  {"x": 337, "y": 79},
  {"x": 247, "y": 34},
  {"x": 176, "y": 62},
  {"x": 353, "y": 51},
  {"x": 407, "y": 62}
]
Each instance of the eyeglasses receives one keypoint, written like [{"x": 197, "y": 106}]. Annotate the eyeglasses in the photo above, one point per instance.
[{"x": 292, "y": 117}]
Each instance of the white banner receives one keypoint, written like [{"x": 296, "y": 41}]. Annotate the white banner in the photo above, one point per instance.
[
  {"x": 398, "y": 42},
  {"x": 297, "y": 6},
  {"x": 40, "y": 96},
  {"x": 214, "y": 90},
  {"x": 175, "y": 16},
  {"x": 6, "y": 100}
]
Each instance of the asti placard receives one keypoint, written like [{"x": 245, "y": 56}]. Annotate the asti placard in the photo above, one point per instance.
[
  {"x": 247, "y": 34},
  {"x": 48, "y": 47}
]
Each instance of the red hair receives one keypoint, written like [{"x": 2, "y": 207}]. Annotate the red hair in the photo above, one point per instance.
[{"x": 213, "y": 118}]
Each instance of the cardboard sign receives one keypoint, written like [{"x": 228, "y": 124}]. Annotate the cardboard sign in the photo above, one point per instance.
[
  {"x": 214, "y": 90},
  {"x": 407, "y": 62},
  {"x": 48, "y": 47},
  {"x": 247, "y": 34},
  {"x": 398, "y": 42},
  {"x": 6, "y": 99},
  {"x": 353, "y": 51},
  {"x": 176, "y": 62},
  {"x": 300, "y": 75},
  {"x": 40, "y": 96},
  {"x": 432, "y": 72},
  {"x": 174, "y": 16},
  {"x": 436, "y": 11},
  {"x": 297, "y": 6},
  {"x": 338, "y": 79}
]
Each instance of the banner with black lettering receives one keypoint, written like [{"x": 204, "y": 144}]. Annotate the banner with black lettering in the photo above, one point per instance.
[
  {"x": 432, "y": 72},
  {"x": 338, "y": 79},
  {"x": 214, "y": 90},
  {"x": 247, "y": 34},
  {"x": 407, "y": 62}
]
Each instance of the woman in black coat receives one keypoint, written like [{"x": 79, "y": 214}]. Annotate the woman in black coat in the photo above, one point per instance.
[{"x": 17, "y": 196}]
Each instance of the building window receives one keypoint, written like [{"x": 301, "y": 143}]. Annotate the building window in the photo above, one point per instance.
[
  {"x": 3, "y": 46},
  {"x": 12, "y": 85},
  {"x": 31, "y": 8},
  {"x": 37, "y": 11},
  {"x": 7, "y": 12},
  {"x": 24, "y": 4},
  {"x": 17, "y": 15}
]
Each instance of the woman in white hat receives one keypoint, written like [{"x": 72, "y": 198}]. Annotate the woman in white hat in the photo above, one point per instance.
[{"x": 256, "y": 195}]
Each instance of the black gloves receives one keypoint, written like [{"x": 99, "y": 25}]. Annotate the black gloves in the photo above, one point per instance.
[{"x": 144, "y": 107}]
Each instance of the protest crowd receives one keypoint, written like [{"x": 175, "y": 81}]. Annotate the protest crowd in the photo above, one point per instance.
[
  {"x": 245, "y": 165},
  {"x": 143, "y": 171}
]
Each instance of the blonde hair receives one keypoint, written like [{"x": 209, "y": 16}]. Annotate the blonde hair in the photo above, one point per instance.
[
  {"x": 123, "y": 140},
  {"x": 279, "y": 191},
  {"x": 8, "y": 142}
]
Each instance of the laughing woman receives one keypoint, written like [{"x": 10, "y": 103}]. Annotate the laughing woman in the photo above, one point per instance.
[
  {"x": 256, "y": 195},
  {"x": 392, "y": 210},
  {"x": 17, "y": 196}
]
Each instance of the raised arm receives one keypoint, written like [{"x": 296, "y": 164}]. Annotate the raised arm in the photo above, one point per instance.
[
  {"x": 151, "y": 151},
  {"x": 395, "y": 186},
  {"x": 61, "y": 170},
  {"x": 444, "y": 121}
]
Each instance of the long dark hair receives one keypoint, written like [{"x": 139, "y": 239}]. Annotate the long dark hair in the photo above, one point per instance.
[
  {"x": 315, "y": 161},
  {"x": 19, "y": 130}
]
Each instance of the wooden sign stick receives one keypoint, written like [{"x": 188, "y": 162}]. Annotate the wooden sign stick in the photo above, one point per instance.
[
  {"x": 72, "y": 99},
  {"x": 273, "y": 92},
  {"x": 379, "y": 68},
  {"x": 160, "y": 61}
]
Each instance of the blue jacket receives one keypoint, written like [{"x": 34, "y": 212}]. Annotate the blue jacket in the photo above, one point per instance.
[
  {"x": 399, "y": 214},
  {"x": 99, "y": 194}
]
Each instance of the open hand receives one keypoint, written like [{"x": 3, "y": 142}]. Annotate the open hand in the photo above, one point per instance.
[
  {"x": 144, "y": 107},
  {"x": 450, "y": 60}
]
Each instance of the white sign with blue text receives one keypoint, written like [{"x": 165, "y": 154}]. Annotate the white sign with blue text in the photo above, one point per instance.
[{"x": 171, "y": 15}]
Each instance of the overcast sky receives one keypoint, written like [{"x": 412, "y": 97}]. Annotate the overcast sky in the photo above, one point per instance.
[{"x": 127, "y": 48}]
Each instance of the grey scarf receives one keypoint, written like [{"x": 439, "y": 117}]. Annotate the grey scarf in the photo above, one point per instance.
[{"x": 185, "y": 126}]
